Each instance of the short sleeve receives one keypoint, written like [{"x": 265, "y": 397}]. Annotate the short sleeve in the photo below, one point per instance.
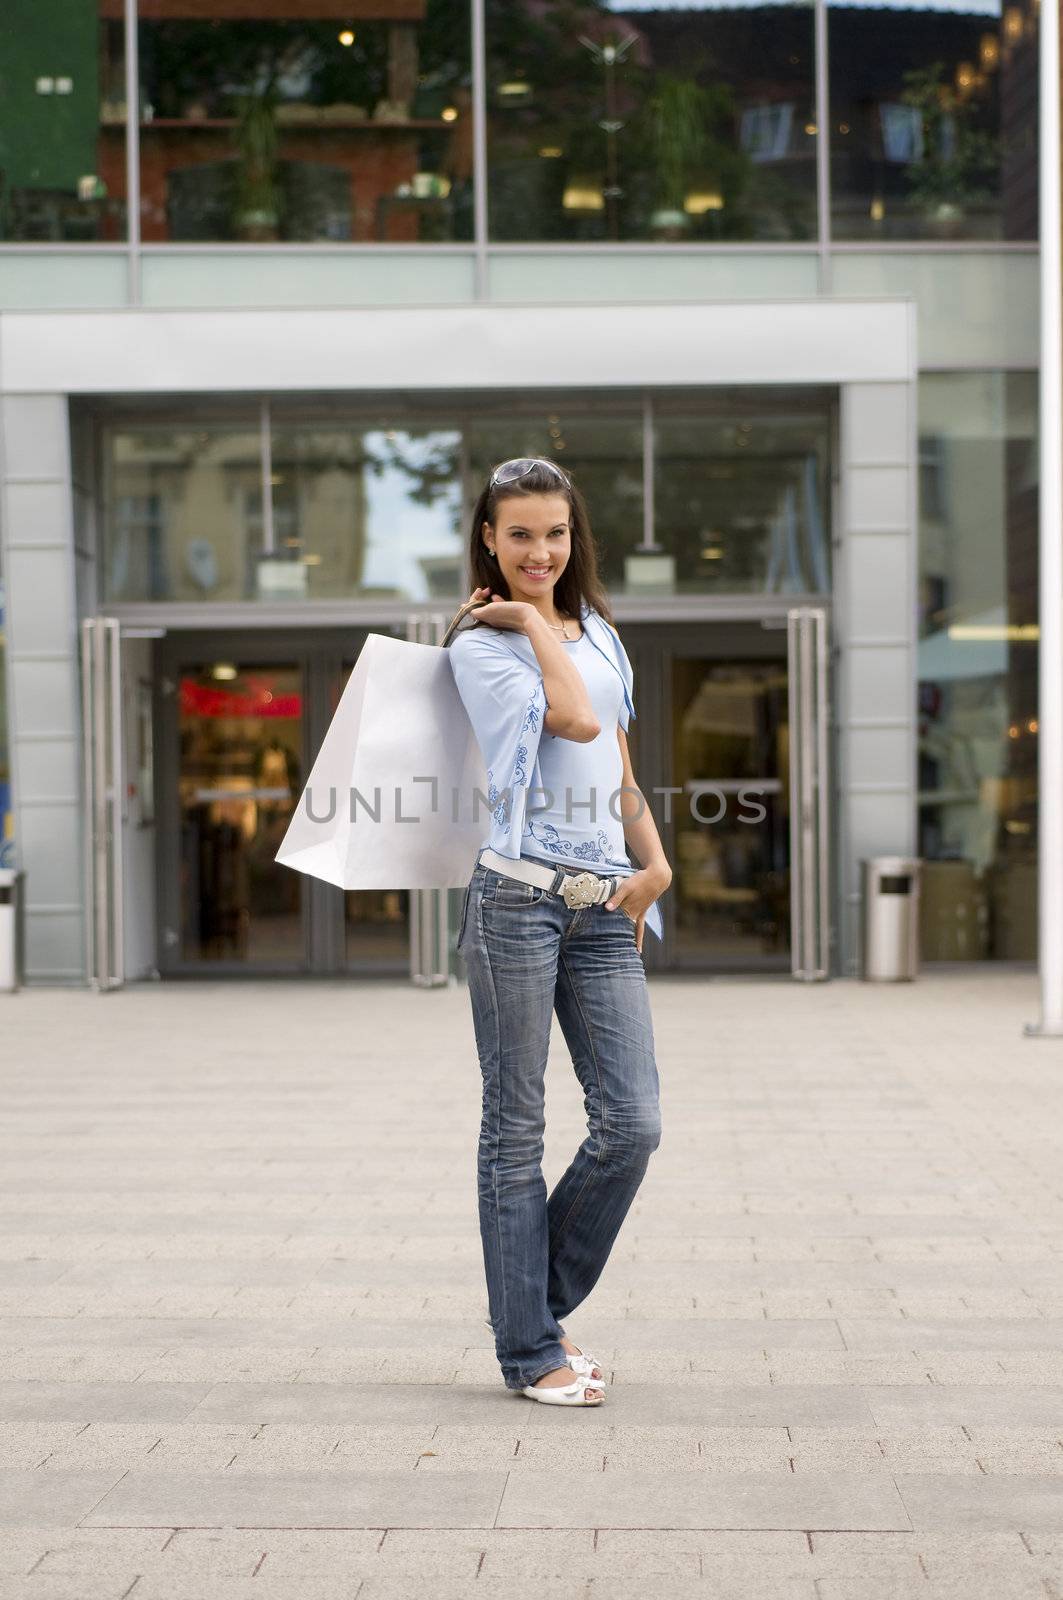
[
  {"x": 505, "y": 699},
  {"x": 624, "y": 667}
]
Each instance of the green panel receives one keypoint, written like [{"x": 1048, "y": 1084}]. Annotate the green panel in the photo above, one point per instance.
[{"x": 48, "y": 141}]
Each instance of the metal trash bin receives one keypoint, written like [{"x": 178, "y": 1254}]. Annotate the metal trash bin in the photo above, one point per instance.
[
  {"x": 890, "y": 890},
  {"x": 12, "y": 927}
]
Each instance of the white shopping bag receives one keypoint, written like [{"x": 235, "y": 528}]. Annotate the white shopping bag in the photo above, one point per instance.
[{"x": 397, "y": 797}]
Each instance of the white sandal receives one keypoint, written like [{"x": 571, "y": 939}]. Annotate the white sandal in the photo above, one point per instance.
[
  {"x": 566, "y": 1394},
  {"x": 582, "y": 1362}
]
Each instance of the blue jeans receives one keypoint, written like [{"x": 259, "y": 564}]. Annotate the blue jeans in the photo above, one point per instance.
[{"x": 527, "y": 954}]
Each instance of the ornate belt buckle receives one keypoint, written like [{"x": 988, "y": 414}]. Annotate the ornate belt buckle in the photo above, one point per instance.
[{"x": 582, "y": 889}]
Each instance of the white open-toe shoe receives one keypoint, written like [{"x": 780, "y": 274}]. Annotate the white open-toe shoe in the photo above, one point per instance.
[
  {"x": 567, "y": 1394},
  {"x": 585, "y": 1363},
  {"x": 582, "y": 1362}
]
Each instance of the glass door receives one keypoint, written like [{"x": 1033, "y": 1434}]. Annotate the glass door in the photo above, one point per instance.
[
  {"x": 239, "y": 730},
  {"x": 240, "y": 774},
  {"x": 731, "y": 862},
  {"x": 730, "y": 749}
]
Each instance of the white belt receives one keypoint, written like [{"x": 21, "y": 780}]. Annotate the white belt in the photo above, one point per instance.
[{"x": 576, "y": 888}]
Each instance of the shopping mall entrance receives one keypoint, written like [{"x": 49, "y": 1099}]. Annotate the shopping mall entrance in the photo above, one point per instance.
[
  {"x": 240, "y": 719},
  {"x": 731, "y": 732},
  {"x": 219, "y": 731}
]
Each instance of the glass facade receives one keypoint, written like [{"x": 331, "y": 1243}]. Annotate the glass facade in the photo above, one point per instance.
[
  {"x": 694, "y": 151},
  {"x": 682, "y": 123},
  {"x": 182, "y": 510},
  {"x": 978, "y": 664},
  {"x": 741, "y": 488},
  {"x": 288, "y": 121},
  {"x": 368, "y": 496},
  {"x": 631, "y": 122},
  {"x": 933, "y": 122}
]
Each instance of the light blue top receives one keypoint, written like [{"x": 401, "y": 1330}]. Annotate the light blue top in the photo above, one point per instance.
[{"x": 552, "y": 798}]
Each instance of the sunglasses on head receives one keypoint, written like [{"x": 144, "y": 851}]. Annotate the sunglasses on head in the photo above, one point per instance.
[{"x": 509, "y": 471}]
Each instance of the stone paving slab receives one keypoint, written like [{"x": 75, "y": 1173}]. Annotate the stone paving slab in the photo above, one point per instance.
[
  {"x": 832, "y": 1322},
  {"x": 489, "y": 1402},
  {"x": 304, "y": 1499},
  {"x": 708, "y": 1500}
]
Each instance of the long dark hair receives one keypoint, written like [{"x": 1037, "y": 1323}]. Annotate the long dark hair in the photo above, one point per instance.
[{"x": 579, "y": 584}]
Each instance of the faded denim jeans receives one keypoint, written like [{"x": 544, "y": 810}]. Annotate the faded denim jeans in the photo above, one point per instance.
[{"x": 527, "y": 954}]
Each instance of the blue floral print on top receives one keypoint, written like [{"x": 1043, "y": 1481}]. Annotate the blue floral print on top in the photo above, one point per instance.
[{"x": 530, "y": 772}]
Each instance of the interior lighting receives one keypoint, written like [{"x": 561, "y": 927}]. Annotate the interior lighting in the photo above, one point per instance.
[
  {"x": 700, "y": 201},
  {"x": 994, "y": 632},
  {"x": 583, "y": 197}
]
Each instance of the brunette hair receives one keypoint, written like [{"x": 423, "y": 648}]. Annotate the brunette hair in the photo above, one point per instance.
[{"x": 579, "y": 582}]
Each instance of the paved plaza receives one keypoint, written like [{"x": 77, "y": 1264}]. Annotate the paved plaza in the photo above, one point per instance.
[{"x": 242, "y": 1346}]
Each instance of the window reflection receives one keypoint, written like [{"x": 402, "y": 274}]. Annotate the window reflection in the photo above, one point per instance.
[
  {"x": 369, "y": 509},
  {"x": 62, "y": 123},
  {"x": 661, "y": 122},
  {"x": 182, "y": 511},
  {"x": 370, "y": 495},
  {"x": 598, "y": 438},
  {"x": 978, "y": 665},
  {"x": 934, "y": 121},
  {"x": 310, "y": 122},
  {"x": 741, "y": 495}
]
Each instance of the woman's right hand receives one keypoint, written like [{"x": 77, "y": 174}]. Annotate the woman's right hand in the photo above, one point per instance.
[{"x": 499, "y": 613}]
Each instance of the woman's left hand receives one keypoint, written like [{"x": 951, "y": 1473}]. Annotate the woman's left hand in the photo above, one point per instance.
[{"x": 636, "y": 893}]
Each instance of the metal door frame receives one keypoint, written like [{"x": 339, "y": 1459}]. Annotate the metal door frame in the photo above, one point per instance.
[
  {"x": 807, "y": 686},
  {"x": 103, "y": 785}
]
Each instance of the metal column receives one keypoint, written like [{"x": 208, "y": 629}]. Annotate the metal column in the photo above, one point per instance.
[
  {"x": 101, "y": 720},
  {"x": 809, "y": 793}
]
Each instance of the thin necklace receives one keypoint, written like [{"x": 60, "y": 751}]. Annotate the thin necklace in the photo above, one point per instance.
[{"x": 559, "y": 627}]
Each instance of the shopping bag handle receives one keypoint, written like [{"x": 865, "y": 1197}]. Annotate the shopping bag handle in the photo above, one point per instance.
[{"x": 463, "y": 611}]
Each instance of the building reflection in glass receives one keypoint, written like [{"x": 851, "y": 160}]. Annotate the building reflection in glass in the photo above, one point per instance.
[
  {"x": 978, "y": 664},
  {"x": 299, "y": 121},
  {"x": 933, "y": 120},
  {"x": 669, "y": 122}
]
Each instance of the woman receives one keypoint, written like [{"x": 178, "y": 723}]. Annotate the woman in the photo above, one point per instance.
[{"x": 554, "y": 917}]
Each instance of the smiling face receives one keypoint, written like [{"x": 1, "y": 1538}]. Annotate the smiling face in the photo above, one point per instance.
[{"x": 532, "y": 537}]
